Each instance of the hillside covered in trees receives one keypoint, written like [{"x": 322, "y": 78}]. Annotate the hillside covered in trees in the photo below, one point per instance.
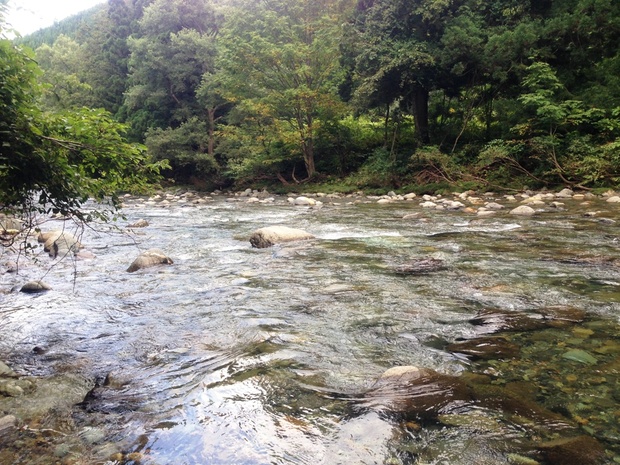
[{"x": 421, "y": 94}]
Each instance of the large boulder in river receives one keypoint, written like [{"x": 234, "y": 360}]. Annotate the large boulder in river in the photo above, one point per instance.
[
  {"x": 149, "y": 258},
  {"x": 59, "y": 243},
  {"x": 266, "y": 237}
]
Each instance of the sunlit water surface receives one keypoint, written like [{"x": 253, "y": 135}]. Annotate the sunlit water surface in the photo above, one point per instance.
[{"x": 235, "y": 355}]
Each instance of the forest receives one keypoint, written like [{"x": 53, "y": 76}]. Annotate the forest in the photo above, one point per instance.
[{"x": 426, "y": 95}]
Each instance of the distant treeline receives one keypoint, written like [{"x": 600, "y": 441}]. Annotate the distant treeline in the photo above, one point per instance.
[{"x": 357, "y": 93}]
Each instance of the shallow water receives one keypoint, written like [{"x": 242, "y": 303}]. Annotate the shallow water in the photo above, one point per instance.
[{"x": 236, "y": 355}]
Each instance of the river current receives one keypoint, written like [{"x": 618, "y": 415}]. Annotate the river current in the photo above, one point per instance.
[{"x": 237, "y": 355}]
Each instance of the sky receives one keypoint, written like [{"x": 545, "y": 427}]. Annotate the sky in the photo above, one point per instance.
[{"x": 27, "y": 16}]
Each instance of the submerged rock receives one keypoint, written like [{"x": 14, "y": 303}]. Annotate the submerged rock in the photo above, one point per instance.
[
  {"x": 424, "y": 394},
  {"x": 141, "y": 223},
  {"x": 496, "y": 320},
  {"x": 420, "y": 392},
  {"x": 421, "y": 266},
  {"x": 270, "y": 235},
  {"x": 581, "y": 356},
  {"x": 486, "y": 348},
  {"x": 580, "y": 450},
  {"x": 149, "y": 258}
]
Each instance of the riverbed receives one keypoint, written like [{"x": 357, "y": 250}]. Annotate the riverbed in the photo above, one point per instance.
[{"x": 237, "y": 355}]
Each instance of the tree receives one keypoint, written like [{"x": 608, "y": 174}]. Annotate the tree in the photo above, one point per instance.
[
  {"x": 283, "y": 60},
  {"x": 54, "y": 162},
  {"x": 174, "y": 49},
  {"x": 63, "y": 71}
]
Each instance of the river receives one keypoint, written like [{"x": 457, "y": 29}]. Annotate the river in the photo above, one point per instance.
[{"x": 237, "y": 355}]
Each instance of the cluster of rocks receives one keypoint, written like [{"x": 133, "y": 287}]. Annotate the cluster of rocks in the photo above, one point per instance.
[
  {"x": 480, "y": 401},
  {"x": 485, "y": 204}
]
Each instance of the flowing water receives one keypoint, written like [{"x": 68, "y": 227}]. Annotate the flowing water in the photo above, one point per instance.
[{"x": 235, "y": 355}]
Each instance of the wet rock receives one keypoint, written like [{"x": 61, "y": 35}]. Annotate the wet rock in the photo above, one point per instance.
[
  {"x": 562, "y": 316},
  {"x": 520, "y": 409},
  {"x": 35, "y": 287},
  {"x": 471, "y": 420},
  {"x": 59, "y": 243},
  {"x": 141, "y": 223},
  {"x": 495, "y": 320},
  {"x": 11, "y": 267},
  {"x": 580, "y": 450},
  {"x": 613, "y": 199},
  {"x": 6, "y": 371},
  {"x": 7, "y": 422},
  {"x": 523, "y": 210},
  {"x": 12, "y": 387},
  {"x": 9, "y": 227},
  {"x": 494, "y": 206},
  {"x": 421, "y": 266},
  {"x": 486, "y": 348},
  {"x": 151, "y": 257},
  {"x": 420, "y": 392},
  {"x": 270, "y": 235}
]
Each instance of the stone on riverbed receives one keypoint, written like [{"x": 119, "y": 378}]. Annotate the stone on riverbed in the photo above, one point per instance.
[
  {"x": 149, "y": 258},
  {"x": 59, "y": 243},
  {"x": 580, "y": 450},
  {"x": 270, "y": 235},
  {"x": 523, "y": 210},
  {"x": 581, "y": 356},
  {"x": 485, "y": 348},
  {"x": 421, "y": 392},
  {"x": 35, "y": 287},
  {"x": 421, "y": 266},
  {"x": 141, "y": 223}
]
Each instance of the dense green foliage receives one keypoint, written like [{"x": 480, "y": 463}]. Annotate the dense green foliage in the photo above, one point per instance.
[
  {"x": 54, "y": 161},
  {"x": 371, "y": 92}
]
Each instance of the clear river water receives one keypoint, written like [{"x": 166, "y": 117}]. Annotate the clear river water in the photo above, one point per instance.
[{"x": 237, "y": 355}]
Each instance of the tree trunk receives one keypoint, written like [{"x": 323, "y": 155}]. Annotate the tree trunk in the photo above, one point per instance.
[
  {"x": 211, "y": 145},
  {"x": 308, "y": 150},
  {"x": 420, "y": 114}
]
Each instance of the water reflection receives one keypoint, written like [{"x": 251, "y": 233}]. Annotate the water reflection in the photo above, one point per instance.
[{"x": 238, "y": 355}]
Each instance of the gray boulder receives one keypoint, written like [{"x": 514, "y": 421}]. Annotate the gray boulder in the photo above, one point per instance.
[
  {"x": 149, "y": 258},
  {"x": 266, "y": 237}
]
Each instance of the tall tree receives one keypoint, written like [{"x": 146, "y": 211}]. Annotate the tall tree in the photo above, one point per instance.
[
  {"x": 169, "y": 56},
  {"x": 63, "y": 73},
  {"x": 283, "y": 58},
  {"x": 56, "y": 161}
]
